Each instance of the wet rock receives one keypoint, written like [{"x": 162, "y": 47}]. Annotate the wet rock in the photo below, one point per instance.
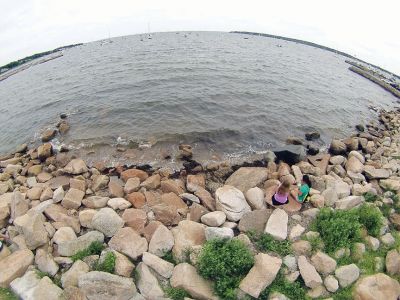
[
  {"x": 128, "y": 242},
  {"x": 44, "y": 151},
  {"x": 247, "y": 177},
  {"x": 231, "y": 201},
  {"x": 76, "y": 167},
  {"x": 107, "y": 221},
  {"x": 185, "y": 151},
  {"x": 277, "y": 224},
  {"x": 261, "y": 275},
  {"x": 185, "y": 277},
  {"x": 337, "y": 147},
  {"x": 294, "y": 141},
  {"x": 48, "y": 135},
  {"x": 376, "y": 287},
  {"x": 291, "y": 154},
  {"x": 312, "y": 135},
  {"x": 105, "y": 286},
  {"x": 14, "y": 266}
]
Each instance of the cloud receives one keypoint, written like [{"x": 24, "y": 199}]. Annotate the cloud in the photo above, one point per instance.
[{"x": 366, "y": 28}]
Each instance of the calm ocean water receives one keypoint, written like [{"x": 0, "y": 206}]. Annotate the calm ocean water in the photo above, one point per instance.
[{"x": 226, "y": 95}]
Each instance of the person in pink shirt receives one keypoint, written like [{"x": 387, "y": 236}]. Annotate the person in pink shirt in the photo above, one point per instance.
[{"x": 282, "y": 194}]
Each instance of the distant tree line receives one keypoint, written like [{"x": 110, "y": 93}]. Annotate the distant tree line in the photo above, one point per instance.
[{"x": 24, "y": 60}]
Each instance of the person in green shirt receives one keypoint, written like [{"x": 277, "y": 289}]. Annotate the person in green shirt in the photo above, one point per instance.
[{"x": 301, "y": 195}]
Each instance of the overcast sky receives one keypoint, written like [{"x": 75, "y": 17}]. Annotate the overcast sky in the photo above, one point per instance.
[{"x": 368, "y": 29}]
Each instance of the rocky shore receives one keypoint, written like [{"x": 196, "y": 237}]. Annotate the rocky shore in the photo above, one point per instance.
[{"x": 74, "y": 231}]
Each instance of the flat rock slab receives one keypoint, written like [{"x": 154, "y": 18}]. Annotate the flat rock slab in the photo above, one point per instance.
[
  {"x": 247, "y": 177},
  {"x": 14, "y": 266},
  {"x": 277, "y": 224}
]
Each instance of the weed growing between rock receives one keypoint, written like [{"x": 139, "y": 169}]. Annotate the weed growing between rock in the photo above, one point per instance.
[
  {"x": 169, "y": 257},
  {"x": 176, "y": 293},
  {"x": 371, "y": 218},
  {"x": 94, "y": 248},
  {"x": 226, "y": 263},
  {"x": 266, "y": 243},
  {"x": 292, "y": 290},
  {"x": 7, "y": 294},
  {"x": 108, "y": 264}
]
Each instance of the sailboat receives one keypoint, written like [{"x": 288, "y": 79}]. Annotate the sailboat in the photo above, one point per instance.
[{"x": 149, "y": 36}]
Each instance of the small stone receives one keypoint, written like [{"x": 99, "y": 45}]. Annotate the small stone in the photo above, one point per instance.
[
  {"x": 14, "y": 266},
  {"x": 135, "y": 218},
  {"x": 69, "y": 248},
  {"x": 331, "y": 283},
  {"x": 107, "y": 221},
  {"x": 218, "y": 233},
  {"x": 76, "y": 167},
  {"x": 45, "y": 262},
  {"x": 73, "y": 199},
  {"x": 214, "y": 219},
  {"x": 323, "y": 263},
  {"x": 393, "y": 262},
  {"x": 70, "y": 278},
  {"x": 308, "y": 272},
  {"x": 255, "y": 198},
  {"x": 388, "y": 239},
  {"x": 119, "y": 203},
  {"x": 128, "y": 242},
  {"x": 147, "y": 283},
  {"x": 190, "y": 197},
  {"x": 132, "y": 185},
  {"x": 159, "y": 265}
]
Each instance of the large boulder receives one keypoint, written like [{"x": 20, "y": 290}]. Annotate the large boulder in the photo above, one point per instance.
[
  {"x": 308, "y": 272},
  {"x": 147, "y": 283},
  {"x": 232, "y": 202},
  {"x": 291, "y": 154},
  {"x": 337, "y": 147},
  {"x": 186, "y": 277},
  {"x": 30, "y": 286},
  {"x": 376, "y": 287},
  {"x": 187, "y": 235},
  {"x": 162, "y": 241},
  {"x": 255, "y": 198},
  {"x": 104, "y": 286},
  {"x": 75, "y": 167},
  {"x": 261, "y": 275},
  {"x": 346, "y": 275},
  {"x": 162, "y": 267},
  {"x": 247, "y": 177},
  {"x": 31, "y": 226},
  {"x": 277, "y": 224},
  {"x": 373, "y": 173},
  {"x": 254, "y": 220},
  {"x": 349, "y": 202},
  {"x": 71, "y": 277},
  {"x": 14, "y": 266},
  {"x": 128, "y": 242},
  {"x": 323, "y": 263},
  {"x": 71, "y": 247},
  {"x": 107, "y": 221},
  {"x": 45, "y": 262}
]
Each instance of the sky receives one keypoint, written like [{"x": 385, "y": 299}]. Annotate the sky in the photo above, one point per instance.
[{"x": 367, "y": 29}]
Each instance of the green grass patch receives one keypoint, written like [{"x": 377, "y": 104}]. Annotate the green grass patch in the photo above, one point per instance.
[
  {"x": 169, "y": 257},
  {"x": 94, "y": 248},
  {"x": 342, "y": 228},
  {"x": 316, "y": 243},
  {"x": 176, "y": 293},
  {"x": 226, "y": 263},
  {"x": 7, "y": 294},
  {"x": 108, "y": 264},
  {"x": 265, "y": 242},
  {"x": 371, "y": 218},
  {"x": 344, "y": 294},
  {"x": 337, "y": 228},
  {"x": 42, "y": 274},
  {"x": 292, "y": 290},
  {"x": 370, "y": 197}
]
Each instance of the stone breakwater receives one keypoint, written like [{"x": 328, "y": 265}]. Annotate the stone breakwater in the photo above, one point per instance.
[{"x": 54, "y": 207}]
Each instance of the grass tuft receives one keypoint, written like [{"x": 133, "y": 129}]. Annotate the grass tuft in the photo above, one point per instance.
[
  {"x": 176, "y": 293},
  {"x": 108, "y": 264},
  {"x": 226, "y": 263},
  {"x": 94, "y": 248},
  {"x": 7, "y": 294},
  {"x": 265, "y": 242}
]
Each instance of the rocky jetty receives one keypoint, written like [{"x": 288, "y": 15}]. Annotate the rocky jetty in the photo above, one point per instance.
[{"x": 74, "y": 231}]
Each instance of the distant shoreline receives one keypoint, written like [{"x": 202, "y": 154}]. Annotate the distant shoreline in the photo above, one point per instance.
[{"x": 317, "y": 46}]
